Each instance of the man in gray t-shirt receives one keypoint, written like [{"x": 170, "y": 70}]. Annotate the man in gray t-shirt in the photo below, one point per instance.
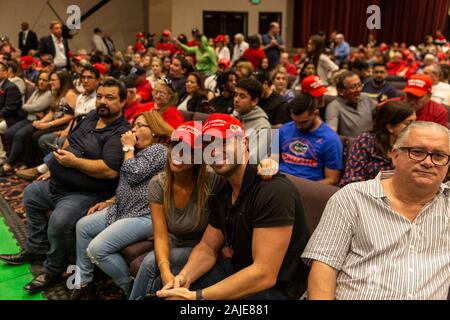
[{"x": 351, "y": 113}]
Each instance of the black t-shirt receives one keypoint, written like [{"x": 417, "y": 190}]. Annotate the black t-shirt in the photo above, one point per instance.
[
  {"x": 276, "y": 108},
  {"x": 263, "y": 204},
  {"x": 90, "y": 143},
  {"x": 223, "y": 104}
]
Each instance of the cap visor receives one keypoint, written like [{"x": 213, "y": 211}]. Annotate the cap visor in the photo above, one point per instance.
[
  {"x": 319, "y": 92},
  {"x": 415, "y": 92}
]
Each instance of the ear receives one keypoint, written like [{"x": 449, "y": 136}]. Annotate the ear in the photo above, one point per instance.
[
  {"x": 255, "y": 102},
  {"x": 390, "y": 128}
]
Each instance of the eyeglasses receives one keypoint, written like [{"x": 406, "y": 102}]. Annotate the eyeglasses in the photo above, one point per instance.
[
  {"x": 439, "y": 159},
  {"x": 140, "y": 125},
  {"x": 355, "y": 86}
]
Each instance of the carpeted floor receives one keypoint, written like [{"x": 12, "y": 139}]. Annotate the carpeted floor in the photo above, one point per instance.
[{"x": 13, "y": 212}]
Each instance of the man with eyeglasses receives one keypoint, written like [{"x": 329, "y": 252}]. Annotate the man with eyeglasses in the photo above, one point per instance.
[
  {"x": 351, "y": 113},
  {"x": 388, "y": 238},
  {"x": 89, "y": 77}
]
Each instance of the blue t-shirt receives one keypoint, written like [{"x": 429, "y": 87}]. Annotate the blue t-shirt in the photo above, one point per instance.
[{"x": 307, "y": 155}]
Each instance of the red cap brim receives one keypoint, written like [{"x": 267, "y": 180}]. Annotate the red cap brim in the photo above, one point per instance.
[{"x": 417, "y": 92}]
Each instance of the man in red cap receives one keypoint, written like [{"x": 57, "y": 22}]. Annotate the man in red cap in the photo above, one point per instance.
[
  {"x": 313, "y": 86},
  {"x": 26, "y": 63},
  {"x": 255, "y": 233},
  {"x": 418, "y": 95},
  {"x": 166, "y": 45}
]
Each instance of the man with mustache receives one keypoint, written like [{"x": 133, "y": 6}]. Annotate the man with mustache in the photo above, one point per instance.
[
  {"x": 388, "y": 238},
  {"x": 351, "y": 113},
  {"x": 308, "y": 147},
  {"x": 83, "y": 172}
]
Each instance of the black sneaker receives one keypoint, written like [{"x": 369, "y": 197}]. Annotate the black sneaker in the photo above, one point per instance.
[{"x": 22, "y": 257}]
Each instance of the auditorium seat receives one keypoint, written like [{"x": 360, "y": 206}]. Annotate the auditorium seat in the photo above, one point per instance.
[
  {"x": 29, "y": 89},
  {"x": 314, "y": 196},
  {"x": 196, "y": 116}
]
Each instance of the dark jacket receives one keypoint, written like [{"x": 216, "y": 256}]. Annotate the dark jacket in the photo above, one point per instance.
[
  {"x": 46, "y": 46},
  {"x": 11, "y": 103},
  {"x": 30, "y": 44},
  {"x": 199, "y": 103}
]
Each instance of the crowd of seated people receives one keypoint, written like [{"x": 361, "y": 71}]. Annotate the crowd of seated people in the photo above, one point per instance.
[{"x": 97, "y": 136}]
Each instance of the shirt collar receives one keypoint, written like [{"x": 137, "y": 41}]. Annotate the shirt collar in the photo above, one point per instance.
[
  {"x": 90, "y": 96},
  {"x": 377, "y": 191}
]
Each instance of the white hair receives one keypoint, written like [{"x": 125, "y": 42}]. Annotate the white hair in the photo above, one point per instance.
[
  {"x": 239, "y": 35},
  {"x": 429, "y": 126}
]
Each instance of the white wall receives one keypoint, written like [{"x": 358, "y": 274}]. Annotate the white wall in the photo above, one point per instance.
[{"x": 123, "y": 18}]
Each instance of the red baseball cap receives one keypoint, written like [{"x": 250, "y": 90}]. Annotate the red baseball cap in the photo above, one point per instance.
[
  {"x": 189, "y": 132},
  {"x": 26, "y": 62},
  {"x": 220, "y": 38},
  {"x": 166, "y": 33},
  {"x": 224, "y": 61},
  {"x": 419, "y": 85},
  {"x": 313, "y": 86},
  {"x": 101, "y": 68},
  {"x": 223, "y": 126}
]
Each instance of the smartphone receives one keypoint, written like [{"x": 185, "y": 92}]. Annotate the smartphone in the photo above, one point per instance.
[{"x": 52, "y": 147}]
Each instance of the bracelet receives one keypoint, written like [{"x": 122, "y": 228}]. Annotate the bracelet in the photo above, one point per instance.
[{"x": 164, "y": 261}]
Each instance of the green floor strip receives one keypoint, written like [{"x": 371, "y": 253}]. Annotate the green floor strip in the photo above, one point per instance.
[{"x": 13, "y": 278}]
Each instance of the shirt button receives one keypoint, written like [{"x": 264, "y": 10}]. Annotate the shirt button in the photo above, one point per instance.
[{"x": 411, "y": 270}]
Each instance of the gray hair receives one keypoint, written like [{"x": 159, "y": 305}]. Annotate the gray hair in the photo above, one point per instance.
[
  {"x": 436, "y": 69},
  {"x": 429, "y": 126}
]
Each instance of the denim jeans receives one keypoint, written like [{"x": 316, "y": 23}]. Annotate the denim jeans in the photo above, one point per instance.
[
  {"x": 44, "y": 139},
  {"x": 18, "y": 134},
  {"x": 224, "y": 269},
  {"x": 100, "y": 245},
  {"x": 148, "y": 279},
  {"x": 54, "y": 236}
]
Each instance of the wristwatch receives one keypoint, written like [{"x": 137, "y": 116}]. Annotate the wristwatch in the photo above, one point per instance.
[
  {"x": 127, "y": 148},
  {"x": 199, "y": 294}
]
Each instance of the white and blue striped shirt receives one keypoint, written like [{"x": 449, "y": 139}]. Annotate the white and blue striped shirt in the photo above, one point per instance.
[{"x": 380, "y": 254}]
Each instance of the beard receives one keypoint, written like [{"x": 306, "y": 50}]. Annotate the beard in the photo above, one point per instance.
[
  {"x": 378, "y": 81},
  {"x": 104, "y": 112}
]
